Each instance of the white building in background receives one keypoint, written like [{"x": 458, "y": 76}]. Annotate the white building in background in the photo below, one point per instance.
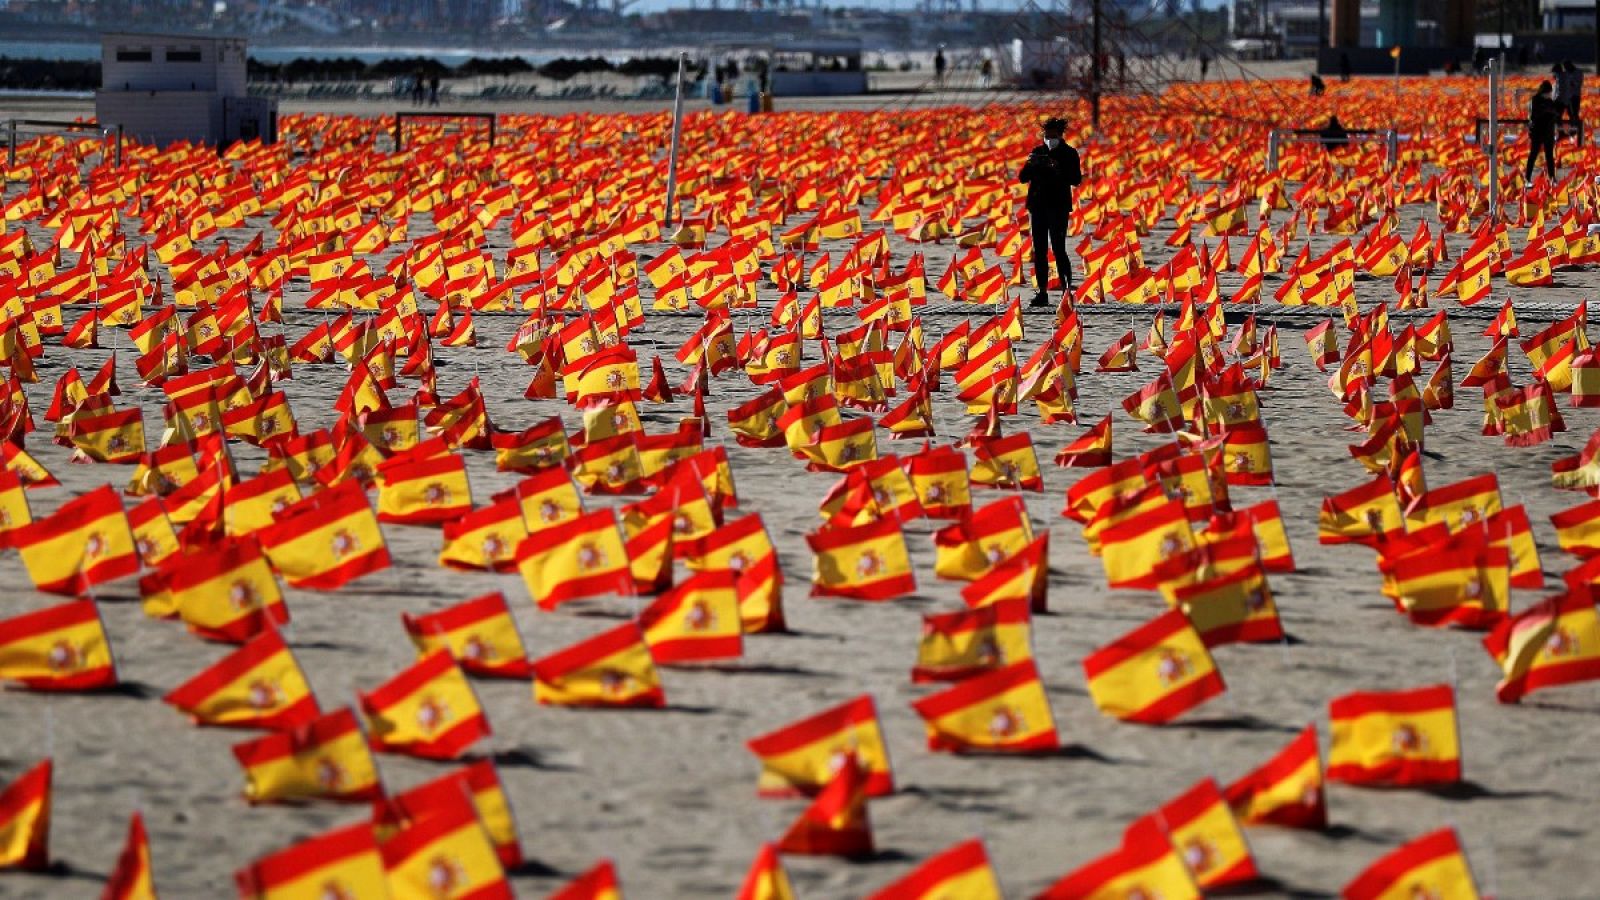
[
  {"x": 1562, "y": 15},
  {"x": 162, "y": 88}
]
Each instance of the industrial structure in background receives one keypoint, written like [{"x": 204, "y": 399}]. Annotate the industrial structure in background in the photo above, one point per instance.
[{"x": 162, "y": 88}]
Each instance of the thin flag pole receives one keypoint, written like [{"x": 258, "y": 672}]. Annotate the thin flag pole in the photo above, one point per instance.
[{"x": 677, "y": 131}]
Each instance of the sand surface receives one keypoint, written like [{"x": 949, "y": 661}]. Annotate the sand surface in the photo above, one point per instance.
[{"x": 670, "y": 794}]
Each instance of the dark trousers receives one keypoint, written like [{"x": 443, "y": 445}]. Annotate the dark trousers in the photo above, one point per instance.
[
  {"x": 1050, "y": 236},
  {"x": 1546, "y": 142}
]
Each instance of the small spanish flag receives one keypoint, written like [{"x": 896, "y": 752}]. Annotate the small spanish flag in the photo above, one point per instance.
[
  {"x": 766, "y": 879},
  {"x": 479, "y": 633},
  {"x": 326, "y": 540},
  {"x": 84, "y": 543},
  {"x": 799, "y": 759},
  {"x": 59, "y": 648},
  {"x": 345, "y": 860},
  {"x": 480, "y": 783},
  {"x": 1154, "y": 673},
  {"x": 1395, "y": 737},
  {"x": 961, "y": 871},
  {"x": 863, "y": 562},
  {"x": 226, "y": 592},
  {"x": 1232, "y": 608},
  {"x": 132, "y": 879},
  {"x": 1361, "y": 515},
  {"x": 1554, "y": 642},
  {"x": 429, "y": 710},
  {"x": 599, "y": 883},
  {"x": 960, "y": 645},
  {"x": 1090, "y": 450},
  {"x": 1200, "y": 825},
  {"x": 990, "y": 535},
  {"x": 25, "y": 820},
  {"x": 445, "y": 852},
  {"x": 836, "y": 822},
  {"x": 1006, "y": 462},
  {"x": 1286, "y": 790},
  {"x": 259, "y": 685},
  {"x": 1146, "y": 865},
  {"x": 695, "y": 621},
  {"x": 1001, "y": 711},
  {"x": 484, "y": 539},
  {"x": 1430, "y": 866},
  {"x": 324, "y": 758},
  {"x": 612, "y": 668},
  {"x": 423, "y": 491},
  {"x": 582, "y": 557}
]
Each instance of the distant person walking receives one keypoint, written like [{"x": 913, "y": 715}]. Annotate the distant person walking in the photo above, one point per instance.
[
  {"x": 1542, "y": 115},
  {"x": 1205, "y": 64},
  {"x": 433, "y": 89},
  {"x": 1051, "y": 172},
  {"x": 939, "y": 65},
  {"x": 417, "y": 87},
  {"x": 986, "y": 72}
]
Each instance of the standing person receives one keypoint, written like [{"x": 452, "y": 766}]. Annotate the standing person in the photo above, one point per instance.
[
  {"x": 1205, "y": 64},
  {"x": 417, "y": 87},
  {"x": 1051, "y": 172},
  {"x": 1344, "y": 67},
  {"x": 1573, "y": 77},
  {"x": 433, "y": 89},
  {"x": 939, "y": 65},
  {"x": 986, "y": 72},
  {"x": 1542, "y": 115}
]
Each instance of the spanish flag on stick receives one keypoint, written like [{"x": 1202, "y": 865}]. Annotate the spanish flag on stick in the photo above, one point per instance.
[
  {"x": 612, "y": 668},
  {"x": 990, "y": 535},
  {"x": 960, "y": 645},
  {"x": 766, "y": 879},
  {"x": 445, "y": 852},
  {"x": 226, "y": 592},
  {"x": 325, "y": 758},
  {"x": 1200, "y": 825},
  {"x": 961, "y": 871},
  {"x": 1554, "y": 642},
  {"x": 429, "y": 711},
  {"x": 346, "y": 859},
  {"x": 84, "y": 543},
  {"x": 1146, "y": 865},
  {"x": 582, "y": 557},
  {"x": 479, "y": 633},
  {"x": 1286, "y": 790},
  {"x": 59, "y": 648},
  {"x": 1001, "y": 711},
  {"x": 1430, "y": 866},
  {"x": 132, "y": 878},
  {"x": 480, "y": 783},
  {"x": 836, "y": 822},
  {"x": 695, "y": 621},
  {"x": 599, "y": 883},
  {"x": 862, "y": 562},
  {"x": 259, "y": 685},
  {"x": 1395, "y": 738},
  {"x": 25, "y": 820},
  {"x": 484, "y": 539},
  {"x": 799, "y": 759},
  {"x": 1154, "y": 673},
  {"x": 326, "y": 540},
  {"x": 1361, "y": 515}
]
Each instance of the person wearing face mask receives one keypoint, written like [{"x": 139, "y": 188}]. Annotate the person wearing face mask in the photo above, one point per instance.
[{"x": 1050, "y": 173}]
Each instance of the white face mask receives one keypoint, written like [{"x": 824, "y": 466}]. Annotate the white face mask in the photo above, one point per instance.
[{"x": 1052, "y": 142}]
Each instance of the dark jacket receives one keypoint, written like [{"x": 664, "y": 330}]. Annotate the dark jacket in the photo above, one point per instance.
[
  {"x": 1051, "y": 178},
  {"x": 1542, "y": 114}
]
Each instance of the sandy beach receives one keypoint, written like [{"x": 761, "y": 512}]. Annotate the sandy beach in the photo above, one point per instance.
[{"x": 670, "y": 794}]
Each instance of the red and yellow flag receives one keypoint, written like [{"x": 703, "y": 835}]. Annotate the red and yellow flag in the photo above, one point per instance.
[
  {"x": 429, "y": 710},
  {"x": 612, "y": 668},
  {"x": 802, "y": 757},
  {"x": 326, "y": 540},
  {"x": 962, "y": 871},
  {"x": 59, "y": 648},
  {"x": 836, "y": 822},
  {"x": 324, "y": 758},
  {"x": 484, "y": 539},
  {"x": 1395, "y": 737},
  {"x": 1286, "y": 790},
  {"x": 225, "y": 592},
  {"x": 1554, "y": 642},
  {"x": 1433, "y": 865},
  {"x": 479, "y": 633},
  {"x": 1200, "y": 825},
  {"x": 578, "y": 558},
  {"x": 132, "y": 879},
  {"x": 340, "y": 863},
  {"x": 444, "y": 853},
  {"x": 766, "y": 879},
  {"x": 960, "y": 645},
  {"x": 863, "y": 562},
  {"x": 599, "y": 883},
  {"x": 1146, "y": 865},
  {"x": 424, "y": 491},
  {"x": 25, "y": 820},
  {"x": 86, "y": 542},
  {"x": 1005, "y": 710},
  {"x": 1154, "y": 673},
  {"x": 480, "y": 783},
  {"x": 697, "y": 620},
  {"x": 259, "y": 685}
]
